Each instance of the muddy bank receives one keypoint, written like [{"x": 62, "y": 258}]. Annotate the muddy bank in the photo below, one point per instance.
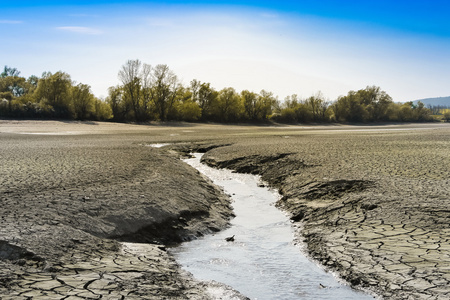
[
  {"x": 373, "y": 207},
  {"x": 68, "y": 202}
]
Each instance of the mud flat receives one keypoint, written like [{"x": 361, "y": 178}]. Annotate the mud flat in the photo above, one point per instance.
[
  {"x": 371, "y": 203},
  {"x": 74, "y": 205}
]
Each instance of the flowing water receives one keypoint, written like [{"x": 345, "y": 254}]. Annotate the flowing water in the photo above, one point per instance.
[{"x": 262, "y": 262}]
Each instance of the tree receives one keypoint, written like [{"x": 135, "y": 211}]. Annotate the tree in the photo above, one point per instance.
[
  {"x": 369, "y": 104},
  {"x": 257, "y": 107},
  {"x": 376, "y": 101},
  {"x": 251, "y": 105},
  {"x": 166, "y": 89},
  {"x": 83, "y": 101},
  {"x": 189, "y": 111},
  {"x": 118, "y": 106},
  {"x": 267, "y": 102},
  {"x": 447, "y": 115},
  {"x": 10, "y": 81},
  {"x": 54, "y": 90},
  {"x": 318, "y": 107},
  {"x": 7, "y": 71},
  {"x": 206, "y": 99},
  {"x": 102, "y": 110},
  {"x": 228, "y": 107},
  {"x": 130, "y": 77},
  {"x": 194, "y": 88}
]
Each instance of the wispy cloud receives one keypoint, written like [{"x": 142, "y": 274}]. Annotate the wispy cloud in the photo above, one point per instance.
[
  {"x": 10, "y": 22},
  {"x": 80, "y": 30}
]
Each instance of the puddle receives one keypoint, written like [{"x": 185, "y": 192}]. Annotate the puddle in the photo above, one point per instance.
[{"x": 158, "y": 145}]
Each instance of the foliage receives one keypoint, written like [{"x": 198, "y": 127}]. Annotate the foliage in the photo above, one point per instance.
[
  {"x": 446, "y": 113},
  {"x": 149, "y": 93},
  {"x": 51, "y": 96},
  {"x": 374, "y": 105},
  {"x": 313, "y": 109}
]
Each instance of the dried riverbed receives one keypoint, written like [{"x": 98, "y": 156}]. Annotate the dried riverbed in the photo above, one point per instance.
[
  {"x": 373, "y": 205},
  {"x": 372, "y": 201},
  {"x": 67, "y": 201}
]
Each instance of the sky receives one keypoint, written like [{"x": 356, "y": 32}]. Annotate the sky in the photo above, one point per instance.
[{"x": 285, "y": 47}]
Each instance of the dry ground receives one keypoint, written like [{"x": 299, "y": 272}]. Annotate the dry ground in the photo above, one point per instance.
[
  {"x": 372, "y": 202},
  {"x": 66, "y": 200}
]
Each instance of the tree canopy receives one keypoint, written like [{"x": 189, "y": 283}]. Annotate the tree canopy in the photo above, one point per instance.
[
  {"x": 48, "y": 96},
  {"x": 154, "y": 93}
]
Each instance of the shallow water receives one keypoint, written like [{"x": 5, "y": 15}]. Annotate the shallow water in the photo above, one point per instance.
[{"x": 262, "y": 262}]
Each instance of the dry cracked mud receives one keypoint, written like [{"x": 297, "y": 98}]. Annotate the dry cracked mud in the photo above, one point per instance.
[
  {"x": 372, "y": 206},
  {"x": 73, "y": 208},
  {"x": 369, "y": 202}
]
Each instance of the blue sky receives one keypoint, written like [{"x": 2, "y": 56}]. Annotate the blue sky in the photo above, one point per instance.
[{"x": 286, "y": 47}]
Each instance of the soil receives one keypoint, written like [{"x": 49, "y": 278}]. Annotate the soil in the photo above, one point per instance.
[
  {"x": 369, "y": 202},
  {"x": 372, "y": 206},
  {"x": 73, "y": 206}
]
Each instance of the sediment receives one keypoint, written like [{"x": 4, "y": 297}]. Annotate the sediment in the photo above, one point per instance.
[
  {"x": 371, "y": 207},
  {"x": 87, "y": 209},
  {"x": 90, "y": 217}
]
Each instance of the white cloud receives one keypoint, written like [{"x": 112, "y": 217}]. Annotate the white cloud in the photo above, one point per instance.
[{"x": 81, "y": 30}]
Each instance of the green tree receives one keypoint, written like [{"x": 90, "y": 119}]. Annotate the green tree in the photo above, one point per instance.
[
  {"x": 228, "y": 107},
  {"x": 119, "y": 107},
  {"x": 267, "y": 103},
  {"x": 447, "y": 115},
  {"x": 189, "y": 111},
  {"x": 102, "y": 111},
  {"x": 7, "y": 71},
  {"x": 260, "y": 107},
  {"x": 421, "y": 113},
  {"x": 206, "y": 99},
  {"x": 54, "y": 90},
  {"x": 251, "y": 105},
  {"x": 376, "y": 102},
  {"x": 318, "y": 107},
  {"x": 83, "y": 102}
]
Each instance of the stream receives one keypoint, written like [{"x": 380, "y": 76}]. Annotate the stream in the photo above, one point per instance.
[{"x": 262, "y": 262}]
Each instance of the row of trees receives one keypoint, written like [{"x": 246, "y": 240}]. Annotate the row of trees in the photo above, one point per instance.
[
  {"x": 154, "y": 93},
  {"x": 50, "y": 96},
  {"x": 147, "y": 93},
  {"x": 366, "y": 105}
]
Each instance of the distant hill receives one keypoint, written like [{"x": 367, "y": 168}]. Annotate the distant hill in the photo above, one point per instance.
[{"x": 440, "y": 101}]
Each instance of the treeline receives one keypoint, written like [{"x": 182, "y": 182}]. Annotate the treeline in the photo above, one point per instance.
[
  {"x": 154, "y": 93},
  {"x": 52, "y": 96},
  {"x": 148, "y": 93}
]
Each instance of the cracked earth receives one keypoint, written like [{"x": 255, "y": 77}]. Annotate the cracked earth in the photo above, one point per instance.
[
  {"x": 373, "y": 207},
  {"x": 370, "y": 203}
]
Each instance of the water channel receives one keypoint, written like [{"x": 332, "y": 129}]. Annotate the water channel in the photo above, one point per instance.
[{"x": 262, "y": 262}]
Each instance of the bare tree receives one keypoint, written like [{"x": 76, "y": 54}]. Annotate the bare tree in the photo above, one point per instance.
[
  {"x": 166, "y": 87},
  {"x": 130, "y": 77}
]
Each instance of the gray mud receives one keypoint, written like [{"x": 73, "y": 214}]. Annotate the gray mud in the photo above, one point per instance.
[
  {"x": 72, "y": 206},
  {"x": 372, "y": 204}
]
